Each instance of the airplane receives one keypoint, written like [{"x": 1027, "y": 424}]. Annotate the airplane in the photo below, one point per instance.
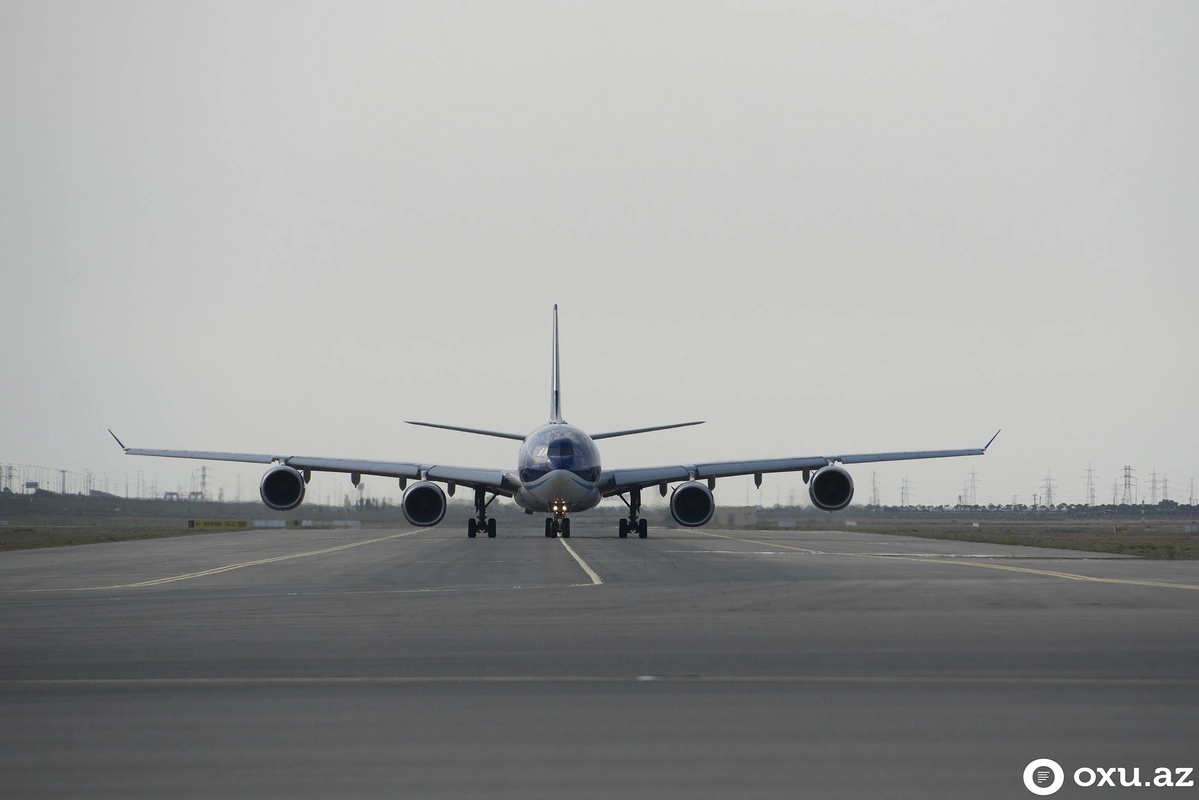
[{"x": 558, "y": 473}]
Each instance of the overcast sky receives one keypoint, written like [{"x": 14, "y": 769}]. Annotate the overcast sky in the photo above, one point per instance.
[{"x": 822, "y": 227}]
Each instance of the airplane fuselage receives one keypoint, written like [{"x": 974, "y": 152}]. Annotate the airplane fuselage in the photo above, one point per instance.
[{"x": 558, "y": 468}]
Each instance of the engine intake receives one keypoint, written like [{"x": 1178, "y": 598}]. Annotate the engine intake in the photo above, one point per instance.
[
  {"x": 692, "y": 504},
  {"x": 831, "y": 489},
  {"x": 423, "y": 504},
  {"x": 282, "y": 488}
]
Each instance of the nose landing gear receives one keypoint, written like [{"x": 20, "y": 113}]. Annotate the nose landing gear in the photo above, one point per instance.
[{"x": 557, "y": 526}]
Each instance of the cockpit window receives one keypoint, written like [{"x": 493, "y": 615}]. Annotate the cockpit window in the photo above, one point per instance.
[{"x": 561, "y": 448}]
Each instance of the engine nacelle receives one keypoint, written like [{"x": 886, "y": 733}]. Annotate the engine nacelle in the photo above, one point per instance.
[
  {"x": 692, "y": 504},
  {"x": 423, "y": 504},
  {"x": 282, "y": 488},
  {"x": 831, "y": 489}
]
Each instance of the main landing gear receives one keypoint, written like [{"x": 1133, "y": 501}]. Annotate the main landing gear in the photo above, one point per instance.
[
  {"x": 557, "y": 526},
  {"x": 481, "y": 521},
  {"x": 634, "y": 522}
]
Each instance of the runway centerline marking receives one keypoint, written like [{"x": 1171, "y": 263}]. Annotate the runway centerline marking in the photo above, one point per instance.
[
  {"x": 1070, "y": 576},
  {"x": 595, "y": 579},
  {"x": 227, "y": 568}
]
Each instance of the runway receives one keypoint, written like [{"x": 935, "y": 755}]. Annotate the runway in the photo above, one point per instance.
[{"x": 703, "y": 664}]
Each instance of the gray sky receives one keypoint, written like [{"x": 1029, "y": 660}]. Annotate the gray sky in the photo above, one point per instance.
[{"x": 824, "y": 228}]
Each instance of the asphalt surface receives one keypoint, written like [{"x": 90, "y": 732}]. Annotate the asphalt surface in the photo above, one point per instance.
[{"x": 710, "y": 664}]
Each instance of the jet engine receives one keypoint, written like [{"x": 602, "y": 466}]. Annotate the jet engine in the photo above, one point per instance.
[
  {"x": 692, "y": 504},
  {"x": 831, "y": 488},
  {"x": 423, "y": 504},
  {"x": 282, "y": 488}
]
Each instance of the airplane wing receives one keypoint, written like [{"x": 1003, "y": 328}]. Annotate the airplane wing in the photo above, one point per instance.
[
  {"x": 492, "y": 480},
  {"x": 618, "y": 481}
]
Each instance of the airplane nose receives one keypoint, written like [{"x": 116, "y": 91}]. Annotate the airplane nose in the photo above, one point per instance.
[
  {"x": 560, "y": 483},
  {"x": 561, "y": 490}
]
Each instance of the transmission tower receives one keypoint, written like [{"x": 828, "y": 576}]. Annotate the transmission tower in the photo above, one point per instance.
[
  {"x": 905, "y": 492},
  {"x": 874, "y": 489},
  {"x": 1090, "y": 486},
  {"x": 204, "y": 483},
  {"x": 1165, "y": 487},
  {"x": 973, "y": 488},
  {"x": 1153, "y": 487},
  {"x": 1127, "y": 498},
  {"x": 1116, "y": 492},
  {"x": 1191, "y": 502},
  {"x": 1049, "y": 482}
]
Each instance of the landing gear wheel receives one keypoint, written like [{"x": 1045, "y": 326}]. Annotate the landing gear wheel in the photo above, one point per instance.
[
  {"x": 634, "y": 521},
  {"x": 481, "y": 522},
  {"x": 565, "y": 526},
  {"x": 549, "y": 528}
]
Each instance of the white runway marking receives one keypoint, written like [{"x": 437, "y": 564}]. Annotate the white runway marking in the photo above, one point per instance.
[
  {"x": 218, "y": 570},
  {"x": 965, "y": 562},
  {"x": 732, "y": 552},
  {"x": 595, "y": 579},
  {"x": 964, "y": 680},
  {"x": 902, "y": 555}
]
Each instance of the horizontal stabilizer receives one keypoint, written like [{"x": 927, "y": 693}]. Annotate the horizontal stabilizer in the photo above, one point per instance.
[
  {"x": 520, "y": 437},
  {"x": 630, "y": 432}
]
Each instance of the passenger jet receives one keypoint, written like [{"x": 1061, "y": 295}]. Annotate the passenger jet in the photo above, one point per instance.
[{"x": 558, "y": 473}]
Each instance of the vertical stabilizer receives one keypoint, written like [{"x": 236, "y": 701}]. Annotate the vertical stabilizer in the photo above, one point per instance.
[{"x": 555, "y": 386}]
